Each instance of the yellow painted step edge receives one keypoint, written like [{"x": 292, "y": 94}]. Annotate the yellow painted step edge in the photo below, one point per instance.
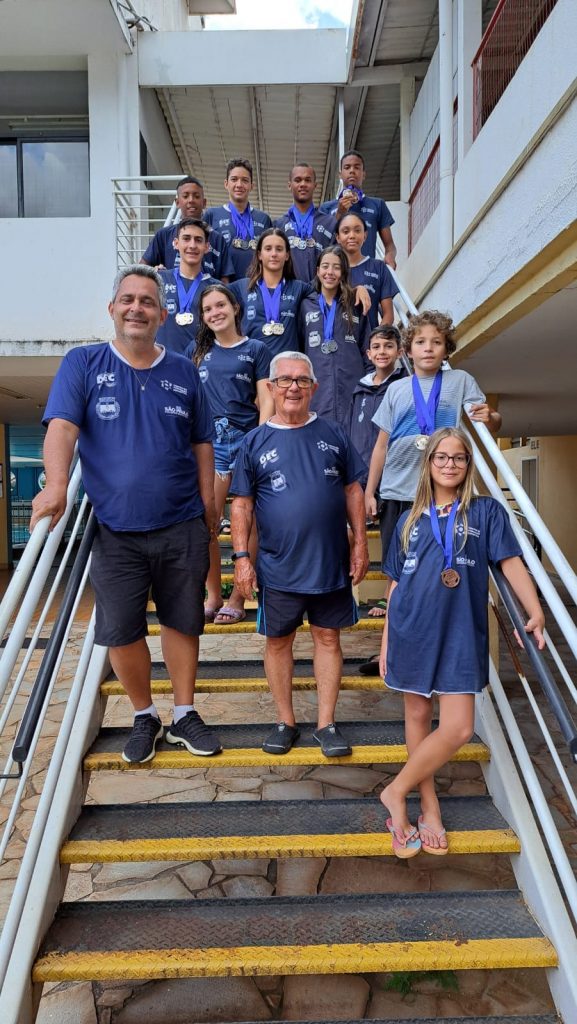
[
  {"x": 254, "y": 757},
  {"x": 462, "y": 954},
  {"x": 250, "y": 627},
  {"x": 115, "y": 851},
  {"x": 257, "y": 684}
]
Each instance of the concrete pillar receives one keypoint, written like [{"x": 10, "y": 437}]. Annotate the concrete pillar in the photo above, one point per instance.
[
  {"x": 446, "y": 127},
  {"x": 469, "y": 27},
  {"x": 407, "y": 90}
]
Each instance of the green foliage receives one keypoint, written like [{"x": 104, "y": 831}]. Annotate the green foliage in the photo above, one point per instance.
[{"x": 405, "y": 981}]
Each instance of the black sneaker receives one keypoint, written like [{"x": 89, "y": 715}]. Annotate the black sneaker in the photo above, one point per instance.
[
  {"x": 332, "y": 741},
  {"x": 281, "y": 738},
  {"x": 147, "y": 729},
  {"x": 193, "y": 734}
]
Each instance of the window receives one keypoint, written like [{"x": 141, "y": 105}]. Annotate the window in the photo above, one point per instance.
[{"x": 44, "y": 178}]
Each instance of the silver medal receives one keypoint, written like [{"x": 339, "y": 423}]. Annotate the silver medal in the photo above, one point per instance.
[{"x": 421, "y": 442}]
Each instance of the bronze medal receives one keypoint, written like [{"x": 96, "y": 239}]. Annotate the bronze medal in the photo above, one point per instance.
[{"x": 450, "y": 578}]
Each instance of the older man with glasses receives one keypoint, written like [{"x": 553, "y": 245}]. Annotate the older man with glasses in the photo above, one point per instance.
[{"x": 299, "y": 474}]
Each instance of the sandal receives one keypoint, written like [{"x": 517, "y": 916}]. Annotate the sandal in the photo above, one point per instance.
[
  {"x": 209, "y": 613},
  {"x": 225, "y": 526},
  {"x": 437, "y": 851},
  {"x": 404, "y": 846},
  {"x": 370, "y": 667},
  {"x": 228, "y": 616}
]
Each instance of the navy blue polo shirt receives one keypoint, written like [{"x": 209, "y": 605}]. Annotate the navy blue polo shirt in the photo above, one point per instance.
[
  {"x": 374, "y": 212},
  {"x": 216, "y": 262},
  {"x": 322, "y": 234},
  {"x": 378, "y": 280},
  {"x": 177, "y": 337},
  {"x": 220, "y": 218}
]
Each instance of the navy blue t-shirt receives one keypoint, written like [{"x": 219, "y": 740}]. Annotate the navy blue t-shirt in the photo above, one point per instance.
[
  {"x": 378, "y": 280},
  {"x": 254, "y": 317},
  {"x": 177, "y": 337},
  {"x": 305, "y": 256},
  {"x": 338, "y": 367},
  {"x": 229, "y": 377},
  {"x": 136, "y": 432},
  {"x": 438, "y": 637},
  {"x": 217, "y": 261},
  {"x": 297, "y": 477},
  {"x": 374, "y": 212},
  {"x": 219, "y": 217}
]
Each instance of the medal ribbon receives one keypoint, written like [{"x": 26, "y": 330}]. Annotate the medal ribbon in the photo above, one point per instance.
[
  {"x": 447, "y": 545},
  {"x": 352, "y": 188},
  {"x": 303, "y": 222},
  {"x": 243, "y": 222},
  {"x": 329, "y": 313},
  {"x": 186, "y": 298},
  {"x": 271, "y": 302},
  {"x": 426, "y": 411}
]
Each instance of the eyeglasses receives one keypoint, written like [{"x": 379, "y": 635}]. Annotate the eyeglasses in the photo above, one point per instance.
[
  {"x": 441, "y": 459},
  {"x": 284, "y": 383}
]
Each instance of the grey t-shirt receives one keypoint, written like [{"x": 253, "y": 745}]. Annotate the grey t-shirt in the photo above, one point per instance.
[{"x": 396, "y": 416}]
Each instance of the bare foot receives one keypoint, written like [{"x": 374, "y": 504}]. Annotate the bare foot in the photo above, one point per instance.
[
  {"x": 378, "y": 611},
  {"x": 397, "y": 807}
]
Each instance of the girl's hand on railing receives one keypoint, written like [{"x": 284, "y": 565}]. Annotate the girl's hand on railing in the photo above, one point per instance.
[{"x": 535, "y": 625}]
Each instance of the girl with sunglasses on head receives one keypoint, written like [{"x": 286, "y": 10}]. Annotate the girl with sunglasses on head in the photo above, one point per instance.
[
  {"x": 435, "y": 640},
  {"x": 234, "y": 370}
]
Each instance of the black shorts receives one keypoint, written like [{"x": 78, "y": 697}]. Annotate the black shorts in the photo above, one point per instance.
[
  {"x": 390, "y": 511},
  {"x": 171, "y": 563},
  {"x": 280, "y": 612}
]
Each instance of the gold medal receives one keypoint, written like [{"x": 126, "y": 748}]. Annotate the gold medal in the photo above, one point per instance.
[
  {"x": 183, "y": 319},
  {"x": 450, "y": 578}
]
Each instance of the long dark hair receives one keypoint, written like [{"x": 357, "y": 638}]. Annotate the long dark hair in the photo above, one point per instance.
[
  {"x": 255, "y": 269},
  {"x": 345, "y": 293},
  {"x": 206, "y": 337}
]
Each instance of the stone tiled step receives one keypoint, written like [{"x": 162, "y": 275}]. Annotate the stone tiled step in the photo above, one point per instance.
[
  {"x": 245, "y": 829},
  {"x": 547, "y": 1018},
  {"x": 291, "y": 935},
  {"x": 372, "y": 742}
]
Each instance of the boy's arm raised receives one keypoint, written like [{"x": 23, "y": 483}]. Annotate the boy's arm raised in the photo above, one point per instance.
[
  {"x": 517, "y": 575},
  {"x": 375, "y": 472}
]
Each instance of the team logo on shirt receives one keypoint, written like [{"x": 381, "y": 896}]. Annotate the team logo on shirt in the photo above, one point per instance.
[
  {"x": 177, "y": 388},
  {"x": 207, "y": 357},
  {"x": 331, "y": 471},
  {"x": 314, "y": 339},
  {"x": 313, "y": 317},
  {"x": 176, "y": 410},
  {"x": 243, "y": 376},
  {"x": 105, "y": 378},
  {"x": 203, "y": 374},
  {"x": 107, "y": 408},
  {"x": 414, "y": 532},
  {"x": 472, "y": 531},
  {"x": 462, "y": 560},
  {"x": 410, "y": 564},
  {"x": 278, "y": 481},
  {"x": 270, "y": 456},
  {"x": 171, "y": 307},
  {"x": 169, "y": 287},
  {"x": 324, "y": 446},
  {"x": 250, "y": 313},
  {"x": 242, "y": 358}
]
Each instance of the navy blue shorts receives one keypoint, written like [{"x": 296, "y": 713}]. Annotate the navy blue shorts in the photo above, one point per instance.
[{"x": 280, "y": 612}]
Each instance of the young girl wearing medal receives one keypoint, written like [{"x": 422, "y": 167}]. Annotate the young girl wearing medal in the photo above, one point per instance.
[
  {"x": 435, "y": 639},
  {"x": 351, "y": 234},
  {"x": 234, "y": 370},
  {"x": 335, "y": 334}
]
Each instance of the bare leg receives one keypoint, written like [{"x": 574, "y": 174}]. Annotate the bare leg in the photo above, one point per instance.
[
  {"x": 328, "y": 668},
  {"x": 131, "y": 663},
  {"x": 181, "y": 656},
  {"x": 278, "y": 665},
  {"x": 213, "y": 580},
  {"x": 456, "y": 716},
  {"x": 418, "y": 717}
]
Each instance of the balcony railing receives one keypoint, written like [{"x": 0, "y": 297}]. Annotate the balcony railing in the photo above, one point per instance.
[{"x": 512, "y": 30}]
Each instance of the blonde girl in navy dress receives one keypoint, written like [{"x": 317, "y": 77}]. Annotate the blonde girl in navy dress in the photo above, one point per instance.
[{"x": 435, "y": 640}]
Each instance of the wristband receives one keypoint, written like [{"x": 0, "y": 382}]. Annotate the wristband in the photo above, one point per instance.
[{"x": 239, "y": 554}]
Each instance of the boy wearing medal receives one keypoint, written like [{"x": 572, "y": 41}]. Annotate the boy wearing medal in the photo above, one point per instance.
[
  {"x": 183, "y": 286},
  {"x": 239, "y": 223},
  {"x": 412, "y": 410},
  {"x": 374, "y": 211},
  {"x": 162, "y": 253},
  {"x": 383, "y": 351},
  {"x": 308, "y": 230}
]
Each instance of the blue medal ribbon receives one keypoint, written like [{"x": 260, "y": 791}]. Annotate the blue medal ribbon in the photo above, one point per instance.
[
  {"x": 242, "y": 222},
  {"x": 446, "y": 545},
  {"x": 303, "y": 222},
  {"x": 186, "y": 298},
  {"x": 271, "y": 302},
  {"x": 426, "y": 411},
  {"x": 329, "y": 313}
]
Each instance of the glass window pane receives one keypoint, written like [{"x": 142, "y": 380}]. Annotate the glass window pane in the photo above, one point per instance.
[
  {"x": 55, "y": 179},
  {"x": 8, "y": 182}
]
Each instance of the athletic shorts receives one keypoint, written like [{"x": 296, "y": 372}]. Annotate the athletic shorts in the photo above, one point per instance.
[
  {"x": 171, "y": 564},
  {"x": 280, "y": 612},
  {"x": 390, "y": 511}
]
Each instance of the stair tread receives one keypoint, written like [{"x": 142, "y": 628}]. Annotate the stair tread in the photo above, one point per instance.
[
  {"x": 241, "y": 684},
  {"x": 319, "y": 934},
  {"x": 242, "y": 667},
  {"x": 248, "y": 625},
  {"x": 547, "y": 1018}
]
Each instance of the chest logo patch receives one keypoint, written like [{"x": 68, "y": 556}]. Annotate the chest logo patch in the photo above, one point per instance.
[
  {"x": 107, "y": 409},
  {"x": 278, "y": 481}
]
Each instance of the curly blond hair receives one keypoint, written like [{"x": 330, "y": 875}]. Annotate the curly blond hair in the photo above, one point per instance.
[{"x": 434, "y": 318}]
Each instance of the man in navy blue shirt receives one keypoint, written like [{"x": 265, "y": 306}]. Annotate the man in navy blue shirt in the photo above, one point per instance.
[
  {"x": 162, "y": 251},
  {"x": 295, "y": 462},
  {"x": 144, "y": 433},
  {"x": 240, "y": 223},
  {"x": 308, "y": 230},
  {"x": 374, "y": 211}
]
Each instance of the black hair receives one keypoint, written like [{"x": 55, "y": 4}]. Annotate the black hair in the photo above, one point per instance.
[
  {"x": 345, "y": 293},
  {"x": 238, "y": 163},
  {"x": 254, "y": 272},
  {"x": 206, "y": 337},
  {"x": 352, "y": 152},
  {"x": 193, "y": 222},
  {"x": 189, "y": 180}
]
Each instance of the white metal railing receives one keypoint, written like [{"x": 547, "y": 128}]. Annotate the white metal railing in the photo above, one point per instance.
[{"x": 142, "y": 206}]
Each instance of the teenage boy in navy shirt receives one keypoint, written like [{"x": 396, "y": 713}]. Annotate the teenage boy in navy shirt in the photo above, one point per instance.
[
  {"x": 162, "y": 251},
  {"x": 184, "y": 285},
  {"x": 308, "y": 230},
  {"x": 239, "y": 223},
  {"x": 144, "y": 433},
  {"x": 374, "y": 211}
]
